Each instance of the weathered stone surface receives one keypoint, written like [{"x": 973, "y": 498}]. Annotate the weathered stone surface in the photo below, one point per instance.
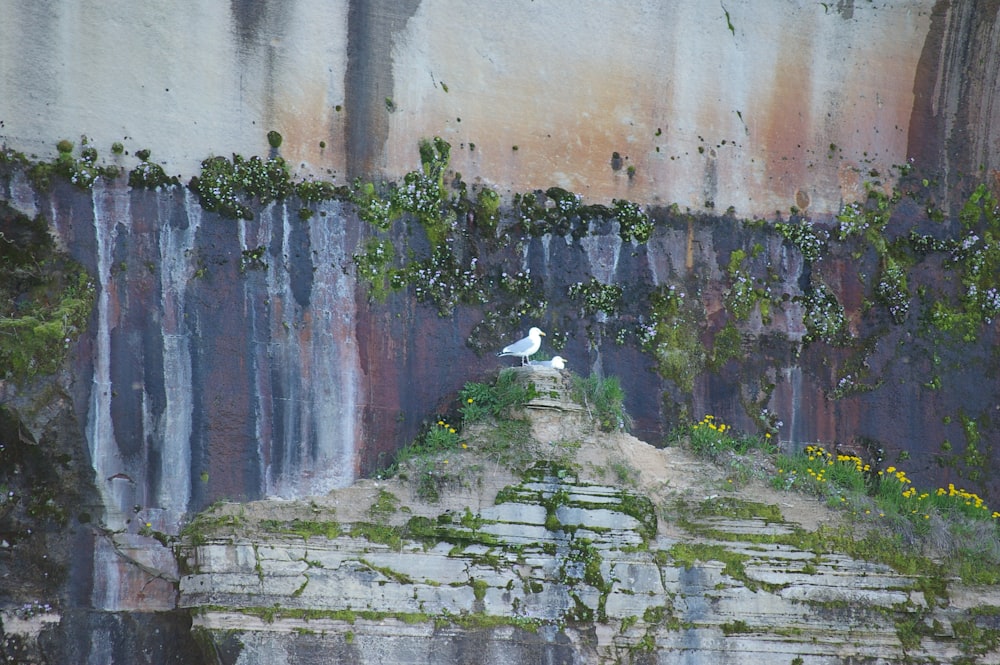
[
  {"x": 198, "y": 381},
  {"x": 396, "y": 606},
  {"x": 810, "y": 93}
]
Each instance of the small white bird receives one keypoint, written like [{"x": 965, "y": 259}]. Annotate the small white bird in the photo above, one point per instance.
[
  {"x": 524, "y": 348},
  {"x": 557, "y": 362}
]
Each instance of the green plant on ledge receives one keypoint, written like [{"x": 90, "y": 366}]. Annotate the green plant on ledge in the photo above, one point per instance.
[
  {"x": 228, "y": 186},
  {"x": 597, "y": 297},
  {"x": 936, "y": 533},
  {"x": 604, "y": 398},
  {"x": 499, "y": 400},
  {"x": 506, "y": 437}
]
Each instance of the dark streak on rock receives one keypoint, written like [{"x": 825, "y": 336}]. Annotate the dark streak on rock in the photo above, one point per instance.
[{"x": 371, "y": 28}]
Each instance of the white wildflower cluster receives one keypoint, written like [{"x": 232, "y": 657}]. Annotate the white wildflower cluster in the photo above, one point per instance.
[
  {"x": 32, "y": 609},
  {"x": 989, "y": 304},
  {"x": 824, "y": 316},
  {"x": 376, "y": 212},
  {"x": 442, "y": 281},
  {"x": 810, "y": 242},
  {"x": 769, "y": 421},
  {"x": 852, "y": 221},
  {"x": 223, "y": 181},
  {"x": 963, "y": 248},
  {"x": 646, "y": 332},
  {"x": 855, "y": 220},
  {"x": 666, "y": 311},
  {"x": 742, "y": 296},
  {"x": 419, "y": 194},
  {"x": 597, "y": 297},
  {"x": 851, "y": 383},
  {"x": 518, "y": 283},
  {"x": 568, "y": 204},
  {"x": 979, "y": 258},
  {"x": 891, "y": 290},
  {"x": 845, "y": 383},
  {"x": 373, "y": 262},
  {"x": 84, "y": 175},
  {"x": 633, "y": 222},
  {"x": 148, "y": 175}
]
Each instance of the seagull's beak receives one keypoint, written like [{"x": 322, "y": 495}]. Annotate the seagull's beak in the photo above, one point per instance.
[{"x": 541, "y": 333}]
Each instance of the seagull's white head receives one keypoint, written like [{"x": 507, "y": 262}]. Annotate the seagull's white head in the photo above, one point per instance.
[{"x": 535, "y": 332}]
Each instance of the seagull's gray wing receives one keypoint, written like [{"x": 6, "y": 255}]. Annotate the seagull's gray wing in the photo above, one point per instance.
[{"x": 519, "y": 347}]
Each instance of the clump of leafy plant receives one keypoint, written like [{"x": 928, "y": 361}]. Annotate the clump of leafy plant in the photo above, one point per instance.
[
  {"x": 711, "y": 438},
  {"x": 498, "y": 400},
  {"x": 227, "y": 186},
  {"x": 671, "y": 335},
  {"x": 604, "y": 398},
  {"x": 82, "y": 171}
]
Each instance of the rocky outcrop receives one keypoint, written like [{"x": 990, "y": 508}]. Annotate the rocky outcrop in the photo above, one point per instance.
[{"x": 559, "y": 568}]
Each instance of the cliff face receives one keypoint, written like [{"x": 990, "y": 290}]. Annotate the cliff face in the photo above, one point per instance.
[
  {"x": 240, "y": 359},
  {"x": 243, "y": 358},
  {"x": 669, "y": 563},
  {"x": 757, "y": 106}
]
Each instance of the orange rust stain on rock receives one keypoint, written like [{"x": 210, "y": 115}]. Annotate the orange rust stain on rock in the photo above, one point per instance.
[
  {"x": 849, "y": 179},
  {"x": 566, "y": 130},
  {"x": 303, "y": 123},
  {"x": 787, "y": 124}
]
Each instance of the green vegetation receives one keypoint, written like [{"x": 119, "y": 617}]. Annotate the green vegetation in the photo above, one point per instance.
[
  {"x": 940, "y": 323},
  {"x": 633, "y": 222},
  {"x": 149, "y": 175},
  {"x": 506, "y": 437},
  {"x": 386, "y": 503},
  {"x": 947, "y": 531},
  {"x": 604, "y": 399},
  {"x": 672, "y": 337},
  {"x": 210, "y": 523},
  {"x": 736, "y": 509},
  {"x": 711, "y": 438},
  {"x": 45, "y": 299},
  {"x": 305, "y": 529},
  {"x": 228, "y": 186},
  {"x": 892, "y": 234},
  {"x": 82, "y": 171},
  {"x": 499, "y": 400}
]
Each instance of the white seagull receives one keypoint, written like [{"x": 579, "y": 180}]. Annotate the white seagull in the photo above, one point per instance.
[
  {"x": 525, "y": 347},
  {"x": 557, "y": 362}
]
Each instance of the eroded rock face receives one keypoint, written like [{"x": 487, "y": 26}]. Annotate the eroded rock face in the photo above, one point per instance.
[
  {"x": 761, "y": 106},
  {"x": 243, "y": 359},
  {"x": 555, "y": 568}
]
